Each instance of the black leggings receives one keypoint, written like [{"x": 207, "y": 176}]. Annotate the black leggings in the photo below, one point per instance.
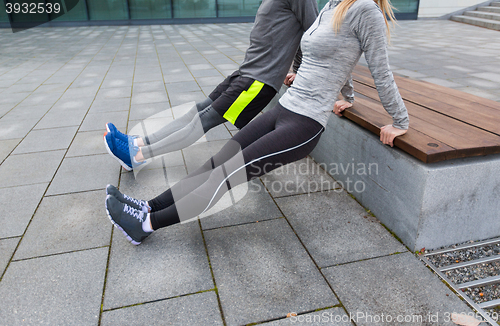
[{"x": 275, "y": 138}]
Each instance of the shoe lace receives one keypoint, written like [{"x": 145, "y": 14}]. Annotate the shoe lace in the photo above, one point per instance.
[
  {"x": 134, "y": 212},
  {"x": 135, "y": 201}
]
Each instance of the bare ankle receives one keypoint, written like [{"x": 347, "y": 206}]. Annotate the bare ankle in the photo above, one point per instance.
[{"x": 139, "y": 157}]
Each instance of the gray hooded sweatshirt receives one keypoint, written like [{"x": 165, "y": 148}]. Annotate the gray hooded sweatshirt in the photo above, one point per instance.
[
  {"x": 275, "y": 37},
  {"x": 328, "y": 60}
]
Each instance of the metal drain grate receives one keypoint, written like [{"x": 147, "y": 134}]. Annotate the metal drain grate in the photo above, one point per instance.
[{"x": 459, "y": 288}]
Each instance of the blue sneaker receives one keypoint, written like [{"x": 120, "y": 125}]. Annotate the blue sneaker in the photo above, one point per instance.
[
  {"x": 127, "y": 219},
  {"x": 118, "y": 134},
  {"x": 119, "y": 150},
  {"x": 138, "y": 204}
]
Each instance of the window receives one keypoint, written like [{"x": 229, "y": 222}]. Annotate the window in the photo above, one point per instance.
[
  {"x": 150, "y": 9},
  {"x": 194, "y": 8},
  {"x": 107, "y": 9},
  {"x": 237, "y": 8}
]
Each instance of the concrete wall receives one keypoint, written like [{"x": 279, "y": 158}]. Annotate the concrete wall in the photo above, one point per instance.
[
  {"x": 438, "y": 8},
  {"x": 425, "y": 205}
]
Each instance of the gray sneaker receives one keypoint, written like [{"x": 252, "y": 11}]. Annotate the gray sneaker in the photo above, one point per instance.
[
  {"x": 135, "y": 203},
  {"x": 127, "y": 219}
]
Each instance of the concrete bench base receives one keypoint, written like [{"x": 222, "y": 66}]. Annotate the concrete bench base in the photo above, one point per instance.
[{"x": 425, "y": 205}]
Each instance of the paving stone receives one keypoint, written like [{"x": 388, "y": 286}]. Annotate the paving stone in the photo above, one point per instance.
[
  {"x": 6, "y": 146},
  {"x": 197, "y": 154},
  {"x": 477, "y": 82},
  {"x": 209, "y": 81},
  {"x": 207, "y": 90},
  {"x": 332, "y": 316},
  {"x": 16, "y": 129},
  {"x": 181, "y": 98},
  {"x": 196, "y": 309},
  {"x": 230, "y": 126},
  {"x": 62, "y": 118},
  {"x": 300, "y": 177},
  {"x": 54, "y": 290},
  {"x": 149, "y": 97},
  {"x": 26, "y": 113},
  {"x": 114, "y": 93},
  {"x": 488, "y": 76},
  {"x": 207, "y": 73},
  {"x": 478, "y": 92},
  {"x": 181, "y": 109},
  {"x": 84, "y": 173},
  {"x": 110, "y": 104},
  {"x": 262, "y": 272},
  {"x": 87, "y": 143},
  {"x": 335, "y": 229},
  {"x": 254, "y": 204},
  {"x": 5, "y": 108},
  {"x": 153, "y": 86},
  {"x": 397, "y": 285},
  {"x": 7, "y": 247},
  {"x": 409, "y": 73},
  {"x": 149, "y": 183},
  {"x": 177, "y": 77},
  {"x": 80, "y": 81},
  {"x": 441, "y": 82},
  {"x": 218, "y": 133},
  {"x": 200, "y": 66},
  {"x": 69, "y": 103},
  {"x": 97, "y": 121},
  {"x": 182, "y": 87},
  {"x": 116, "y": 82},
  {"x": 40, "y": 99},
  {"x": 67, "y": 223},
  {"x": 22, "y": 87},
  {"x": 81, "y": 92},
  {"x": 24, "y": 169},
  {"x": 170, "y": 262},
  {"x": 150, "y": 110},
  {"x": 46, "y": 140}
]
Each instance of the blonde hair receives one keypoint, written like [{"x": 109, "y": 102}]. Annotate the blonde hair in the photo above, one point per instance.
[{"x": 342, "y": 7}]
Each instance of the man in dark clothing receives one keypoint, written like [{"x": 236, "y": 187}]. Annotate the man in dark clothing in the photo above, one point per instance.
[{"x": 274, "y": 41}]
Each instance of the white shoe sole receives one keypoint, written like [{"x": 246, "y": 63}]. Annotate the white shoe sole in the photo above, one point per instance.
[
  {"x": 129, "y": 238},
  {"x": 123, "y": 164}
]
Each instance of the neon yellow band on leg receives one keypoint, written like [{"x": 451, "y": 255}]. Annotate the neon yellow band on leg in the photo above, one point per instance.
[{"x": 242, "y": 101}]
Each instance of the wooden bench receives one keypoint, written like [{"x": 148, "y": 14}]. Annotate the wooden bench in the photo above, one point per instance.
[
  {"x": 440, "y": 184},
  {"x": 444, "y": 123}
]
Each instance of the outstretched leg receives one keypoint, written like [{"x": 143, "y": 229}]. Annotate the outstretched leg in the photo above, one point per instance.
[
  {"x": 177, "y": 124},
  {"x": 293, "y": 137},
  {"x": 187, "y": 135}
]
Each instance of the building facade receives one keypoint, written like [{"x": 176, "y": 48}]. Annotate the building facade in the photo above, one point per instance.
[{"x": 105, "y": 12}]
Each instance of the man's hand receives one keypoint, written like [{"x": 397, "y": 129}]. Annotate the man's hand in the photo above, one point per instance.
[
  {"x": 341, "y": 106},
  {"x": 388, "y": 133},
  {"x": 289, "y": 79}
]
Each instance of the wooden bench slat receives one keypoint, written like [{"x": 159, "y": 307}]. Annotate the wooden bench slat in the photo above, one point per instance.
[
  {"x": 457, "y": 134},
  {"x": 414, "y": 142},
  {"x": 461, "y": 145},
  {"x": 484, "y": 118},
  {"x": 470, "y": 98}
]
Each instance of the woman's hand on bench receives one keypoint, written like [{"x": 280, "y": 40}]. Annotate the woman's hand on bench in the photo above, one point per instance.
[
  {"x": 341, "y": 106},
  {"x": 388, "y": 133}
]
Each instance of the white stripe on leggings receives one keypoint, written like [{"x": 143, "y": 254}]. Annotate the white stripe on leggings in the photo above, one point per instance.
[{"x": 253, "y": 161}]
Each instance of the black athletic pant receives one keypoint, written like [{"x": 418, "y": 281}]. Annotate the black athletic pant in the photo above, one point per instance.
[{"x": 275, "y": 138}]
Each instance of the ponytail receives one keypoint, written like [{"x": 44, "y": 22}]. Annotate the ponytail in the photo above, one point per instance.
[{"x": 342, "y": 7}]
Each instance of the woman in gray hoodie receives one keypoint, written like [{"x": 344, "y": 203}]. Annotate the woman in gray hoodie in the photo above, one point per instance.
[{"x": 331, "y": 47}]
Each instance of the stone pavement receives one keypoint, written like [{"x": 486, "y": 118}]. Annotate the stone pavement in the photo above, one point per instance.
[{"x": 308, "y": 248}]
